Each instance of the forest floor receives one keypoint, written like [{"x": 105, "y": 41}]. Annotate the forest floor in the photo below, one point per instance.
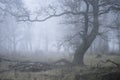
[{"x": 97, "y": 68}]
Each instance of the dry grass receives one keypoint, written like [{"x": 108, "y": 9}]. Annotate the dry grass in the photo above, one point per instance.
[
  {"x": 91, "y": 60},
  {"x": 63, "y": 73}
]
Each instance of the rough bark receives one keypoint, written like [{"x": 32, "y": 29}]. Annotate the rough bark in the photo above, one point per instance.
[
  {"x": 87, "y": 39},
  {"x": 79, "y": 54}
]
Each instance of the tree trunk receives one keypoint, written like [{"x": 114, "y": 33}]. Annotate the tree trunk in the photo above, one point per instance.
[
  {"x": 80, "y": 52},
  {"x": 79, "y": 56},
  {"x": 87, "y": 39}
]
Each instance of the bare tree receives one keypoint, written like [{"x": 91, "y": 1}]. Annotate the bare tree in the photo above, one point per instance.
[
  {"x": 87, "y": 11},
  {"x": 117, "y": 27},
  {"x": 90, "y": 14}
]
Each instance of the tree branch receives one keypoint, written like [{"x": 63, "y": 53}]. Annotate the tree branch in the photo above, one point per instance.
[
  {"x": 105, "y": 11},
  {"x": 67, "y": 40},
  {"x": 108, "y": 61},
  {"x": 27, "y": 18}
]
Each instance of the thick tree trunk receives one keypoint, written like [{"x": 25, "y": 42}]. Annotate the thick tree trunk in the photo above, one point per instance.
[
  {"x": 87, "y": 39},
  {"x": 80, "y": 52},
  {"x": 79, "y": 57}
]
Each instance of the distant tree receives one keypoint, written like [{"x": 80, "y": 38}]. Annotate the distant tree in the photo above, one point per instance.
[
  {"x": 87, "y": 14},
  {"x": 117, "y": 24},
  {"x": 115, "y": 9},
  {"x": 114, "y": 4},
  {"x": 11, "y": 34}
]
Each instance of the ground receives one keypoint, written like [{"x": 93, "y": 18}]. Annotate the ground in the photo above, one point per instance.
[{"x": 105, "y": 71}]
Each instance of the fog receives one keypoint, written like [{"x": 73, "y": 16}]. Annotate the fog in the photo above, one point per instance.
[
  {"x": 59, "y": 39},
  {"x": 22, "y": 33}
]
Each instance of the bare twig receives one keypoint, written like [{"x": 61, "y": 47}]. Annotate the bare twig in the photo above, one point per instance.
[{"x": 27, "y": 18}]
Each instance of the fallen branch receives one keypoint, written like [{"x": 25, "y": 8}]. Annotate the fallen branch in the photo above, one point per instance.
[
  {"x": 108, "y": 61},
  {"x": 66, "y": 62},
  {"x": 113, "y": 62},
  {"x": 35, "y": 66}
]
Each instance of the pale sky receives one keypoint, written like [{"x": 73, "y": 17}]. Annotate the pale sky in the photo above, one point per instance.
[
  {"x": 35, "y": 4},
  {"x": 49, "y": 27}
]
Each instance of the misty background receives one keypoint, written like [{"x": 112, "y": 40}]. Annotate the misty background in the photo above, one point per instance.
[{"x": 51, "y": 39}]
